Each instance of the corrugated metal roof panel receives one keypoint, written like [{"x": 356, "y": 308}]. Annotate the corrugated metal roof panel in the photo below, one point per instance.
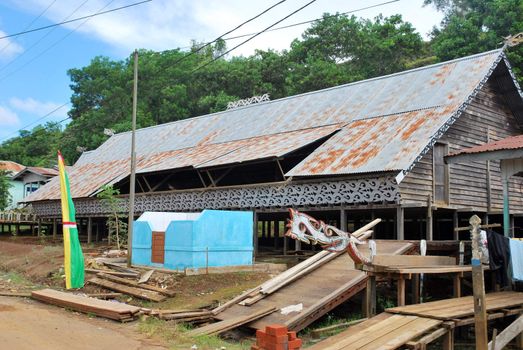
[
  {"x": 418, "y": 100},
  {"x": 509, "y": 143},
  {"x": 376, "y": 144}
]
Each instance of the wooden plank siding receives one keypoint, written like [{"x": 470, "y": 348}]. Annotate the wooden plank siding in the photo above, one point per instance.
[{"x": 468, "y": 181}]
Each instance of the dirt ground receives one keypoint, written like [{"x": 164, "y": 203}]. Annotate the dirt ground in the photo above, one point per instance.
[
  {"x": 27, "y": 324},
  {"x": 27, "y": 263}
]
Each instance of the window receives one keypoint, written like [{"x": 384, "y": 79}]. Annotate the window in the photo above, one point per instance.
[{"x": 441, "y": 173}]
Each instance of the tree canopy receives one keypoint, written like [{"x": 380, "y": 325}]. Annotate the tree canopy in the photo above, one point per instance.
[{"x": 335, "y": 49}]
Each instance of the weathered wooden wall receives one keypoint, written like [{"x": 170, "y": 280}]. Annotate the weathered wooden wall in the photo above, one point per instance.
[{"x": 487, "y": 114}]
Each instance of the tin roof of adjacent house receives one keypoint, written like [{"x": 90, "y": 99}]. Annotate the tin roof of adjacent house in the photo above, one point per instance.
[
  {"x": 11, "y": 167},
  {"x": 45, "y": 172},
  {"x": 376, "y": 125},
  {"x": 509, "y": 143}
]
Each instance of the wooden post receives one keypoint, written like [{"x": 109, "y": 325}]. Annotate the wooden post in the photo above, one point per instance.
[
  {"x": 429, "y": 236},
  {"x": 448, "y": 340},
  {"x": 343, "y": 219},
  {"x": 415, "y": 289},
  {"x": 370, "y": 297},
  {"x": 55, "y": 229},
  {"x": 400, "y": 223},
  {"x": 506, "y": 207},
  {"x": 97, "y": 230},
  {"x": 276, "y": 233},
  {"x": 455, "y": 221},
  {"x": 401, "y": 291},
  {"x": 89, "y": 230},
  {"x": 457, "y": 285},
  {"x": 372, "y": 218},
  {"x": 478, "y": 286},
  {"x": 297, "y": 245},
  {"x": 17, "y": 229},
  {"x": 255, "y": 236},
  {"x": 39, "y": 228},
  {"x": 512, "y": 227}
]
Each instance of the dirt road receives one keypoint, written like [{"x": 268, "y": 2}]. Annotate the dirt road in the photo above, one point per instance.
[{"x": 27, "y": 324}]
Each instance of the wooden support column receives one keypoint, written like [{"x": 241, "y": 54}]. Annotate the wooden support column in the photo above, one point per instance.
[
  {"x": 512, "y": 227},
  {"x": 39, "y": 228},
  {"x": 430, "y": 235},
  {"x": 415, "y": 289},
  {"x": 343, "y": 220},
  {"x": 55, "y": 229},
  {"x": 264, "y": 229},
  {"x": 297, "y": 245},
  {"x": 89, "y": 230},
  {"x": 455, "y": 221},
  {"x": 370, "y": 297},
  {"x": 276, "y": 233},
  {"x": 17, "y": 229},
  {"x": 285, "y": 244},
  {"x": 506, "y": 207},
  {"x": 255, "y": 236},
  {"x": 400, "y": 223},
  {"x": 478, "y": 286},
  {"x": 97, "y": 230},
  {"x": 401, "y": 291},
  {"x": 457, "y": 285},
  {"x": 448, "y": 340}
]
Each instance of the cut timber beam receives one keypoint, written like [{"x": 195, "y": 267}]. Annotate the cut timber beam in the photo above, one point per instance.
[
  {"x": 125, "y": 281},
  {"x": 135, "y": 292},
  {"x": 222, "y": 326},
  {"x": 509, "y": 333}
]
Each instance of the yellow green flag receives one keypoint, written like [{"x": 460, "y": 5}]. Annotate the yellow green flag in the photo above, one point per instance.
[{"x": 73, "y": 257}]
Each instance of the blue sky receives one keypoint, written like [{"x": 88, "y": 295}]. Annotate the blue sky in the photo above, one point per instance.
[{"x": 33, "y": 67}]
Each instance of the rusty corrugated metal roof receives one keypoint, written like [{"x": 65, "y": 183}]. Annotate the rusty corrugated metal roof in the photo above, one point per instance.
[
  {"x": 374, "y": 114},
  {"x": 11, "y": 167},
  {"x": 509, "y": 143},
  {"x": 374, "y": 145}
]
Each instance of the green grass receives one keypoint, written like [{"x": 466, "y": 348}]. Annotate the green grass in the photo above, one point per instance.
[{"x": 175, "y": 334}]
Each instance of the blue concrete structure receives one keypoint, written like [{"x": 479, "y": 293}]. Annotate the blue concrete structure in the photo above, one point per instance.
[{"x": 196, "y": 240}]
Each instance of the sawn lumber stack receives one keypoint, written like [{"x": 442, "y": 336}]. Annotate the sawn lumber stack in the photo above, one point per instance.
[{"x": 112, "y": 310}]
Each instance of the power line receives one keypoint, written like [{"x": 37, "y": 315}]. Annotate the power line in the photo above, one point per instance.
[
  {"x": 317, "y": 19},
  {"x": 49, "y": 47},
  {"x": 74, "y": 20},
  {"x": 40, "y": 39},
  {"x": 309, "y": 21},
  {"x": 254, "y": 36},
  {"x": 230, "y": 31},
  {"x": 30, "y": 24},
  {"x": 39, "y": 119}
]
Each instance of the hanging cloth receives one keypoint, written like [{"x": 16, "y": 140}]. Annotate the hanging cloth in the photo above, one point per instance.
[{"x": 499, "y": 256}]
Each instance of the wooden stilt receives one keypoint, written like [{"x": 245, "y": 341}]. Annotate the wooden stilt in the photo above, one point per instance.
[
  {"x": 55, "y": 229},
  {"x": 415, "y": 289},
  {"x": 276, "y": 226},
  {"x": 255, "y": 236},
  {"x": 448, "y": 340},
  {"x": 455, "y": 220},
  {"x": 285, "y": 245},
  {"x": 370, "y": 297},
  {"x": 97, "y": 230},
  {"x": 457, "y": 285},
  {"x": 39, "y": 228},
  {"x": 343, "y": 220},
  {"x": 89, "y": 230},
  {"x": 401, "y": 292},
  {"x": 400, "y": 223}
]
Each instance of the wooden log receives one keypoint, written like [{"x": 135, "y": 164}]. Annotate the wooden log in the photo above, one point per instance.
[
  {"x": 222, "y": 326},
  {"x": 116, "y": 279},
  {"x": 133, "y": 291}
]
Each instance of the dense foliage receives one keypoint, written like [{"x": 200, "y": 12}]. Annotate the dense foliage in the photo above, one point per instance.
[
  {"x": 5, "y": 196},
  {"x": 336, "y": 49}
]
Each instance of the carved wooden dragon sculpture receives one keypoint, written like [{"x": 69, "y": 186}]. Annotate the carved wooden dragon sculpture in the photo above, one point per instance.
[{"x": 309, "y": 230}]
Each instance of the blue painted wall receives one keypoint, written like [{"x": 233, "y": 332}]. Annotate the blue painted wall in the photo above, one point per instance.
[{"x": 215, "y": 238}]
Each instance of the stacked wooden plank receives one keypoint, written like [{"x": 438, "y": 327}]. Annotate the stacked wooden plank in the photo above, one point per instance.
[
  {"x": 319, "y": 290},
  {"x": 112, "y": 310},
  {"x": 133, "y": 291},
  {"x": 188, "y": 316},
  {"x": 222, "y": 326}
]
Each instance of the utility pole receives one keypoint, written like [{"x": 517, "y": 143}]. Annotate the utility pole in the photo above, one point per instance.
[{"x": 133, "y": 164}]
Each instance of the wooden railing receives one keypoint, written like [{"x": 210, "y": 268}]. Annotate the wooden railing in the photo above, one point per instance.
[{"x": 14, "y": 217}]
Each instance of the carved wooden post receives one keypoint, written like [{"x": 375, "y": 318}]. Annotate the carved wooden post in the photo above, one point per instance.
[{"x": 480, "y": 312}]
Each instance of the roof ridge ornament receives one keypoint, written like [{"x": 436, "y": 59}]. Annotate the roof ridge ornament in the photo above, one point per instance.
[
  {"x": 513, "y": 40},
  {"x": 248, "y": 101}
]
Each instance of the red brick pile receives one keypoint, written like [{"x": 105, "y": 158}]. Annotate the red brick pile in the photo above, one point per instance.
[{"x": 276, "y": 337}]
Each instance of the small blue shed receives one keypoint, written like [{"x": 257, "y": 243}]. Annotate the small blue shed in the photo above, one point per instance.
[{"x": 193, "y": 240}]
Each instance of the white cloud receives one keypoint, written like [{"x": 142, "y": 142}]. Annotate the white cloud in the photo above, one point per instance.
[
  {"x": 30, "y": 105},
  {"x": 9, "y": 48},
  {"x": 8, "y": 118},
  {"x": 168, "y": 24}
]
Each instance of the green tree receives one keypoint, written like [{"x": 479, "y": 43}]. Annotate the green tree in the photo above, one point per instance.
[
  {"x": 5, "y": 185},
  {"x": 473, "y": 26},
  {"x": 116, "y": 224}
]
